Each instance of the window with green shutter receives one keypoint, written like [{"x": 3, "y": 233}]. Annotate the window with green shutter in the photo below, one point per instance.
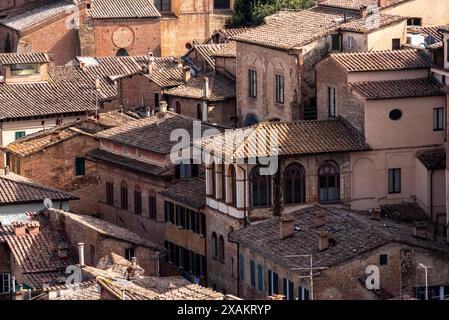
[
  {"x": 252, "y": 268},
  {"x": 80, "y": 166},
  {"x": 19, "y": 134},
  {"x": 242, "y": 267},
  {"x": 259, "y": 277}
]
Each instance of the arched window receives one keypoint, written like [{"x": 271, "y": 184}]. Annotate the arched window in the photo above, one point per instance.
[
  {"x": 221, "y": 249},
  {"x": 124, "y": 196},
  {"x": 260, "y": 189},
  {"x": 233, "y": 185},
  {"x": 213, "y": 194},
  {"x": 294, "y": 184},
  {"x": 329, "y": 182},
  {"x": 214, "y": 246},
  {"x": 223, "y": 183},
  {"x": 178, "y": 107},
  {"x": 199, "y": 112},
  {"x": 137, "y": 200},
  {"x": 122, "y": 53}
]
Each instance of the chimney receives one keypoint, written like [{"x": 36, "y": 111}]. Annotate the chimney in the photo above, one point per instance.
[
  {"x": 383, "y": 3},
  {"x": 63, "y": 250},
  {"x": 19, "y": 228},
  {"x": 186, "y": 74},
  {"x": 206, "y": 92},
  {"x": 6, "y": 170},
  {"x": 364, "y": 11},
  {"x": 163, "y": 106},
  {"x": 179, "y": 62},
  {"x": 420, "y": 230},
  {"x": 323, "y": 241},
  {"x": 81, "y": 254},
  {"x": 54, "y": 136},
  {"x": 150, "y": 62},
  {"x": 375, "y": 214},
  {"x": 320, "y": 218},
  {"x": 82, "y": 65},
  {"x": 33, "y": 227},
  {"x": 286, "y": 226}
]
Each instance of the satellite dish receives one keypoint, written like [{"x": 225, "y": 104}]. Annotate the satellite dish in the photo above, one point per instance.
[{"x": 48, "y": 204}]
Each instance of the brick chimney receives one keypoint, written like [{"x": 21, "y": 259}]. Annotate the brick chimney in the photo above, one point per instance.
[
  {"x": 420, "y": 230},
  {"x": 63, "y": 250},
  {"x": 33, "y": 227},
  {"x": 206, "y": 92},
  {"x": 375, "y": 214},
  {"x": 150, "y": 58},
  {"x": 383, "y": 3},
  {"x": 6, "y": 170},
  {"x": 364, "y": 11},
  {"x": 323, "y": 240},
  {"x": 320, "y": 218},
  {"x": 19, "y": 228},
  {"x": 186, "y": 74},
  {"x": 286, "y": 226}
]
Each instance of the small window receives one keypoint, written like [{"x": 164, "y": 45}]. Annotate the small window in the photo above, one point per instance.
[
  {"x": 394, "y": 180},
  {"x": 221, "y": 249},
  {"x": 395, "y": 114},
  {"x": 19, "y": 134},
  {"x": 273, "y": 283},
  {"x": 331, "y": 102},
  {"x": 152, "y": 207},
  {"x": 288, "y": 289},
  {"x": 414, "y": 21},
  {"x": 252, "y": 269},
  {"x": 242, "y": 267},
  {"x": 259, "y": 278},
  {"x": 438, "y": 119},
  {"x": 336, "y": 42},
  {"x": 124, "y": 197},
  {"x": 178, "y": 107},
  {"x": 169, "y": 212},
  {"x": 396, "y": 44},
  {"x": 130, "y": 253},
  {"x": 252, "y": 83},
  {"x": 303, "y": 293},
  {"x": 24, "y": 69},
  {"x": 222, "y": 4},
  {"x": 351, "y": 42},
  {"x": 5, "y": 283},
  {"x": 186, "y": 170},
  {"x": 122, "y": 53},
  {"x": 279, "y": 89},
  {"x": 383, "y": 260},
  {"x": 199, "y": 112},
  {"x": 110, "y": 193},
  {"x": 137, "y": 201},
  {"x": 214, "y": 246},
  {"x": 156, "y": 101},
  {"x": 80, "y": 166},
  {"x": 180, "y": 217},
  {"x": 163, "y": 5}
]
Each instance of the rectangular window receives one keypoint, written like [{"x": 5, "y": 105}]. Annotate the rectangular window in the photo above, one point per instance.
[
  {"x": 303, "y": 293},
  {"x": 438, "y": 119},
  {"x": 242, "y": 267},
  {"x": 24, "y": 69},
  {"x": 163, "y": 5},
  {"x": 156, "y": 101},
  {"x": 202, "y": 224},
  {"x": 414, "y": 21},
  {"x": 124, "y": 198},
  {"x": 331, "y": 102},
  {"x": 336, "y": 42},
  {"x": 130, "y": 253},
  {"x": 180, "y": 217},
  {"x": 252, "y": 269},
  {"x": 396, "y": 44},
  {"x": 447, "y": 48},
  {"x": 80, "y": 166},
  {"x": 137, "y": 202},
  {"x": 383, "y": 260},
  {"x": 351, "y": 42},
  {"x": 152, "y": 207},
  {"x": 279, "y": 89},
  {"x": 222, "y": 4},
  {"x": 19, "y": 134},
  {"x": 5, "y": 283},
  {"x": 394, "y": 180},
  {"x": 259, "y": 278},
  {"x": 288, "y": 289},
  {"x": 169, "y": 212},
  {"x": 193, "y": 219},
  {"x": 110, "y": 193},
  {"x": 252, "y": 83},
  {"x": 273, "y": 283}
]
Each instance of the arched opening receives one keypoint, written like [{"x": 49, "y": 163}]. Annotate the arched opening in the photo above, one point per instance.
[
  {"x": 260, "y": 189},
  {"x": 329, "y": 182},
  {"x": 294, "y": 184},
  {"x": 178, "y": 107},
  {"x": 214, "y": 246},
  {"x": 122, "y": 53},
  {"x": 221, "y": 249},
  {"x": 250, "y": 120},
  {"x": 233, "y": 185}
]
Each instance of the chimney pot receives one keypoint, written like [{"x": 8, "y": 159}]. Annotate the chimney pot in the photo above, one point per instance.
[
  {"x": 6, "y": 170},
  {"x": 320, "y": 218},
  {"x": 186, "y": 74},
  {"x": 81, "y": 254},
  {"x": 286, "y": 226},
  {"x": 19, "y": 228},
  {"x": 206, "y": 88},
  {"x": 33, "y": 227},
  {"x": 323, "y": 242}
]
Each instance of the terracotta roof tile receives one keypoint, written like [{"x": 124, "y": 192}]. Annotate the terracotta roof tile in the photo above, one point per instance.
[
  {"x": 106, "y": 9},
  {"x": 221, "y": 88},
  {"x": 382, "y": 60},
  {"x": 231, "y": 32},
  {"x": 366, "y": 25},
  {"x": 229, "y": 50},
  {"x": 207, "y": 51},
  {"x": 191, "y": 192},
  {"x": 392, "y": 89},
  {"x": 357, "y": 4},
  {"x": 14, "y": 58},
  {"x": 432, "y": 159}
]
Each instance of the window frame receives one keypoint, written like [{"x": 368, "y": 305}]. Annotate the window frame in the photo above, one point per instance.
[
  {"x": 256, "y": 183},
  {"x": 152, "y": 206},
  {"x": 124, "y": 196},
  {"x": 252, "y": 83},
  {"x": 394, "y": 177},
  {"x": 332, "y": 102},
  {"x": 279, "y": 89},
  {"x": 110, "y": 193},
  {"x": 438, "y": 119}
]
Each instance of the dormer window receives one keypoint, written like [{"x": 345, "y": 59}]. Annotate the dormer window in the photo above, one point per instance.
[{"x": 24, "y": 69}]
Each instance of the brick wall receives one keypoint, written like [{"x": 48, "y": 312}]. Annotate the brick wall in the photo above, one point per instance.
[{"x": 138, "y": 89}]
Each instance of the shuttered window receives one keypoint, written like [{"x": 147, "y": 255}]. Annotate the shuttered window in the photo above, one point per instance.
[
  {"x": 242, "y": 267},
  {"x": 288, "y": 289},
  {"x": 137, "y": 201},
  {"x": 152, "y": 208},
  {"x": 252, "y": 83},
  {"x": 252, "y": 270},
  {"x": 110, "y": 193},
  {"x": 80, "y": 166},
  {"x": 279, "y": 89},
  {"x": 438, "y": 119},
  {"x": 331, "y": 102},
  {"x": 273, "y": 283},
  {"x": 394, "y": 180},
  {"x": 259, "y": 277}
]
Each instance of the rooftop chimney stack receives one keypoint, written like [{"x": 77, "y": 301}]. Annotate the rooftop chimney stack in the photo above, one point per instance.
[
  {"x": 6, "y": 170},
  {"x": 286, "y": 226},
  {"x": 19, "y": 228},
  {"x": 81, "y": 254},
  {"x": 323, "y": 241},
  {"x": 364, "y": 11},
  {"x": 320, "y": 218},
  {"x": 186, "y": 74},
  {"x": 33, "y": 227},
  {"x": 206, "y": 88},
  {"x": 150, "y": 62}
]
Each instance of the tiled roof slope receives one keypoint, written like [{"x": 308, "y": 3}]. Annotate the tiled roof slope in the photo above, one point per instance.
[
  {"x": 357, "y": 4},
  {"x": 290, "y": 29},
  {"x": 152, "y": 133},
  {"x": 221, "y": 88},
  {"x": 29, "y": 18},
  {"x": 354, "y": 233},
  {"x": 108, "y": 9},
  {"x": 191, "y": 192},
  {"x": 432, "y": 159},
  {"x": 229, "y": 50},
  {"x": 231, "y": 32},
  {"x": 365, "y": 25},
  {"x": 207, "y": 51},
  {"x": 16, "y": 191},
  {"x": 17, "y": 58},
  {"x": 293, "y": 138},
  {"x": 37, "y": 255},
  {"x": 382, "y": 60},
  {"x": 393, "y": 89}
]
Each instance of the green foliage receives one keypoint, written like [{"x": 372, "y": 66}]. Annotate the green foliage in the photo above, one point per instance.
[{"x": 252, "y": 12}]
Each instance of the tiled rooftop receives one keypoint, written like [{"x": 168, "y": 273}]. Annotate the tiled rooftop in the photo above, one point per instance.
[
  {"x": 191, "y": 192},
  {"x": 353, "y": 233},
  {"x": 432, "y": 159},
  {"x": 293, "y": 138},
  {"x": 231, "y": 32},
  {"x": 36, "y": 15},
  {"x": 152, "y": 133},
  {"x": 229, "y": 50},
  {"x": 382, "y": 60},
  {"x": 17, "y": 58},
  {"x": 221, "y": 88},
  {"x": 109, "y": 9},
  {"x": 393, "y": 89},
  {"x": 365, "y": 25},
  {"x": 357, "y": 4},
  {"x": 207, "y": 51}
]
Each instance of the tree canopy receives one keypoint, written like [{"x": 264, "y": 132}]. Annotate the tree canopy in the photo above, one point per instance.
[{"x": 252, "y": 12}]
